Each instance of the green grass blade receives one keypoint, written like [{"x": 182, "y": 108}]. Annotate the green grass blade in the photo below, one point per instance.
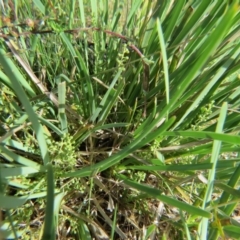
[
  {"x": 136, "y": 4},
  {"x": 17, "y": 171},
  {"x": 165, "y": 60},
  {"x": 94, "y": 8},
  {"x": 49, "y": 230},
  {"x": 71, "y": 13},
  {"x": 40, "y": 6},
  {"x": 9, "y": 202},
  {"x": 6, "y": 81},
  {"x": 233, "y": 181},
  {"x": 231, "y": 231},
  {"x": 155, "y": 193},
  {"x": 171, "y": 21},
  {"x": 179, "y": 168},
  {"x": 51, "y": 126},
  {"x": 229, "y": 190},
  {"x": 84, "y": 232},
  {"x": 107, "y": 100},
  {"x": 204, "y": 225},
  {"x": 11, "y": 156},
  {"x": 81, "y": 10},
  {"x": 57, "y": 205},
  {"x": 204, "y": 134},
  {"x": 15, "y": 76},
  {"x": 190, "y": 25},
  {"x": 114, "y": 223}
]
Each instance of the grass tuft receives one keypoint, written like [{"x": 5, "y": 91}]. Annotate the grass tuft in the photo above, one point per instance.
[{"x": 119, "y": 119}]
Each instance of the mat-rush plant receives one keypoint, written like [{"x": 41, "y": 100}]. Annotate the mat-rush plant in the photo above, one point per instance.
[{"x": 129, "y": 109}]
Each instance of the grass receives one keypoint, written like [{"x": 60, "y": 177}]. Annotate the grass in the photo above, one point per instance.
[{"x": 119, "y": 120}]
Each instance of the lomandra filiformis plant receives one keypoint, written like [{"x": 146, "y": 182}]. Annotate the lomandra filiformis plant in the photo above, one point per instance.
[{"x": 119, "y": 119}]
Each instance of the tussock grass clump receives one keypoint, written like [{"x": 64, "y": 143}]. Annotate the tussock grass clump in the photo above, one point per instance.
[{"x": 119, "y": 120}]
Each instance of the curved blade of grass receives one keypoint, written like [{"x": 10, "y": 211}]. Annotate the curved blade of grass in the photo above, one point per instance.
[
  {"x": 165, "y": 8},
  {"x": 9, "y": 202},
  {"x": 204, "y": 134},
  {"x": 151, "y": 231},
  {"x": 171, "y": 21},
  {"x": 231, "y": 231},
  {"x": 185, "y": 225},
  {"x": 83, "y": 230},
  {"x": 6, "y": 233},
  {"x": 112, "y": 99},
  {"x": 6, "y": 81},
  {"x": 204, "y": 224},
  {"x": 81, "y": 12},
  {"x": 230, "y": 163},
  {"x": 180, "y": 168},
  {"x": 233, "y": 181},
  {"x": 145, "y": 124},
  {"x": 57, "y": 204},
  {"x": 94, "y": 8},
  {"x": 157, "y": 194},
  {"x": 15, "y": 77},
  {"x": 115, "y": 20},
  {"x": 114, "y": 222},
  {"x": 40, "y": 6},
  {"x": 229, "y": 190},
  {"x": 13, "y": 157},
  {"x": 165, "y": 61},
  {"x": 49, "y": 231},
  {"x": 16, "y": 185},
  {"x": 7, "y": 136},
  {"x": 71, "y": 13},
  {"x": 51, "y": 126},
  {"x": 17, "y": 171},
  {"x": 16, "y": 144},
  {"x": 40, "y": 194}
]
